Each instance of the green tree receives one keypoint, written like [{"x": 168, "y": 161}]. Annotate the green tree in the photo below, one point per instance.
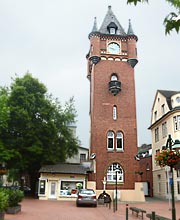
[
  {"x": 4, "y": 110},
  {"x": 172, "y": 20},
  {"x": 5, "y": 154},
  {"x": 37, "y": 129}
]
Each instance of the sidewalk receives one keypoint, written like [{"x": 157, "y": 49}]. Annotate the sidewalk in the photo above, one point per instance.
[{"x": 34, "y": 209}]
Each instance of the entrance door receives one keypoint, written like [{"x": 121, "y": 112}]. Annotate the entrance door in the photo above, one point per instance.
[
  {"x": 145, "y": 188},
  {"x": 52, "y": 189}
]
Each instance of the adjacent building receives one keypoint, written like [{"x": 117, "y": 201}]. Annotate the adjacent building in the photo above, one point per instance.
[
  {"x": 61, "y": 180},
  {"x": 165, "y": 120},
  {"x": 144, "y": 157}
]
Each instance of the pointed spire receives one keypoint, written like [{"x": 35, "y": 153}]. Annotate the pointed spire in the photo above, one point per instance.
[
  {"x": 95, "y": 25},
  {"x": 130, "y": 30},
  {"x": 110, "y": 18}
]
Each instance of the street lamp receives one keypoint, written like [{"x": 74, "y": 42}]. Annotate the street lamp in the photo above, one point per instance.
[
  {"x": 172, "y": 145},
  {"x": 116, "y": 170}
]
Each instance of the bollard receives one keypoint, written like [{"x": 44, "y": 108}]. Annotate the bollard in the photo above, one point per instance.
[
  {"x": 153, "y": 216},
  {"x": 126, "y": 211},
  {"x": 114, "y": 208},
  {"x": 110, "y": 205}
]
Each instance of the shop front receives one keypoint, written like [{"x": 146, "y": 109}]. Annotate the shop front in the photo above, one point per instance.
[{"x": 61, "y": 181}]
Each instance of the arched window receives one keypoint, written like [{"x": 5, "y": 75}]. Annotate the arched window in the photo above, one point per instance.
[
  {"x": 114, "y": 77},
  {"x": 114, "y": 112},
  {"x": 110, "y": 140},
  {"x": 115, "y": 170},
  {"x": 119, "y": 141}
]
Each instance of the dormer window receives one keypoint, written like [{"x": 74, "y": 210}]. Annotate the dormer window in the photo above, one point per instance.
[
  {"x": 112, "y": 28},
  {"x": 178, "y": 99}
]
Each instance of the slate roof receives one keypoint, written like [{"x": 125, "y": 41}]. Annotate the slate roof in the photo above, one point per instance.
[
  {"x": 64, "y": 168},
  {"x": 110, "y": 17},
  {"x": 110, "y": 20},
  {"x": 168, "y": 94}
]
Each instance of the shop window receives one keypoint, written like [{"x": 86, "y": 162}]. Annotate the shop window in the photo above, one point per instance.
[
  {"x": 42, "y": 186},
  {"x": 70, "y": 188}
]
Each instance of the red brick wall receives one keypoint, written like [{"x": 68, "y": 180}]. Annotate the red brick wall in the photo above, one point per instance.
[
  {"x": 102, "y": 102},
  {"x": 146, "y": 170}
]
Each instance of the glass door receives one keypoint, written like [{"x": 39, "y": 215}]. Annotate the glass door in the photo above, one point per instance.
[{"x": 52, "y": 189}]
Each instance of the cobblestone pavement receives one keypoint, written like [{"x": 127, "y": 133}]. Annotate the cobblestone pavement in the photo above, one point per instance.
[{"x": 34, "y": 209}]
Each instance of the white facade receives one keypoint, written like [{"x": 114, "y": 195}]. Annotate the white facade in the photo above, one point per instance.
[
  {"x": 81, "y": 156},
  {"x": 165, "y": 120}
]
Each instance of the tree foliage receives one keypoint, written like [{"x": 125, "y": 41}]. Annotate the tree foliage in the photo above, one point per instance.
[
  {"x": 35, "y": 129},
  {"x": 172, "y": 20},
  {"x": 4, "y": 110}
]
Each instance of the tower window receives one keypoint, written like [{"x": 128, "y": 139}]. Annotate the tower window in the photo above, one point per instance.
[
  {"x": 110, "y": 140},
  {"x": 119, "y": 141},
  {"x": 113, "y": 170},
  {"x": 114, "y": 112},
  {"x": 112, "y": 30},
  {"x": 112, "y": 27},
  {"x": 114, "y": 77}
]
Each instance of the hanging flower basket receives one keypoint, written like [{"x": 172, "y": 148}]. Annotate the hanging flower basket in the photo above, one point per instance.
[{"x": 167, "y": 158}]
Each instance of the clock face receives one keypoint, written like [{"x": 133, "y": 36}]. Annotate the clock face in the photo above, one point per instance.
[{"x": 113, "y": 48}]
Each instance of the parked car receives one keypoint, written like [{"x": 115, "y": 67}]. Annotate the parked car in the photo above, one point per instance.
[{"x": 86, "y": 197}]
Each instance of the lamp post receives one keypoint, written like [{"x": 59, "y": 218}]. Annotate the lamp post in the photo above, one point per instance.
[
  {"x": 172, "y": 146},
  {"x": 117, "y": 170}
]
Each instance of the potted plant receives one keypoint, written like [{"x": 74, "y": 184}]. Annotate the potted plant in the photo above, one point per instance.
[
  {"x": 3, "y": 202},
  {"x": 15, "y": 197}
]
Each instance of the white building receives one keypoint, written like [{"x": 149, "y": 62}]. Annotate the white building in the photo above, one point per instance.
[{"x": 165, "y": 120}]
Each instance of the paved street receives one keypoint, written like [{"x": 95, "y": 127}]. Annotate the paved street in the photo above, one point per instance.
[{"x": 34, "y": 209}]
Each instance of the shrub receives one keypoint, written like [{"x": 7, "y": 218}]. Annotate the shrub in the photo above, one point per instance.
[
  {"x": 15, "y": 197},
  {"x": 4, "y": 198}
]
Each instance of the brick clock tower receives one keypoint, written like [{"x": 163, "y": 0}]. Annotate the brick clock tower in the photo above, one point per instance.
[{"x": 113, "y": 131}]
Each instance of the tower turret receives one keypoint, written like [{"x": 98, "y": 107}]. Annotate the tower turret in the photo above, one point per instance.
[{"x": 132, "y": 50}]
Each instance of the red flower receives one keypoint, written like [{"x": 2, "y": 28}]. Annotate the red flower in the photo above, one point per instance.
[{"x": 167, "y": 158}]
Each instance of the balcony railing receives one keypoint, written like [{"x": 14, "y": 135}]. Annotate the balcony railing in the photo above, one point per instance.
[{"x": 114, "y": 87}]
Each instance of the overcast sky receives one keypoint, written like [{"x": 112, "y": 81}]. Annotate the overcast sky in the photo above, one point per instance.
[{"x": 49, "y": 38}]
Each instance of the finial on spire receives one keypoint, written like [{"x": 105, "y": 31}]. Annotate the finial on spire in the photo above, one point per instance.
[
  {"x": 95, "y": 25},
  {"x": 130, "y": 30}
]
